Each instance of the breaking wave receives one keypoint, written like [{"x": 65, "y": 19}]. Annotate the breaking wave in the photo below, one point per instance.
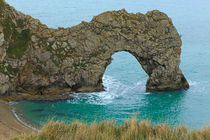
[{"x": 114, "y": 89}]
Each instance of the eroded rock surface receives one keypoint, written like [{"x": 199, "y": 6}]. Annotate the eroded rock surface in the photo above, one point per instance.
[{"x": 35, "y": 57}]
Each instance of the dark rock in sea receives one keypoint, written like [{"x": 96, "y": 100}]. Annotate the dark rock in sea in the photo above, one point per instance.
[
  {"x": 34, "y": 57},
  {"x": 37, "y": 110}
]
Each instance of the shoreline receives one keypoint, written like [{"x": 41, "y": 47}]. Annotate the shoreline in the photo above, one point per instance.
[
  {"x": 35, "y": 95},
  {"x": 21, "y": 119},
  {"x": 11, "y": 125}
]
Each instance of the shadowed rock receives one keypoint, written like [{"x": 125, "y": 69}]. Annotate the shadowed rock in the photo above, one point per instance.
[{"x": 35, "y": 57}]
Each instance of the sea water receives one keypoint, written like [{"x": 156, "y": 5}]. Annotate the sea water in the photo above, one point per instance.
[{"x": 124, "y": 79}]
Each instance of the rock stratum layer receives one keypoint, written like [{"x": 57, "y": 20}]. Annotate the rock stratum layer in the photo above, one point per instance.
[{"x": 34, "y": 57}]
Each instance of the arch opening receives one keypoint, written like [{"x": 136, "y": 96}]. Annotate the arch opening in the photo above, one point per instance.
[{"x": 125, "y": 69}]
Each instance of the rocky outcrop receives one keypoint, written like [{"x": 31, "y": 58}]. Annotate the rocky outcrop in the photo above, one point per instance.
[{"x": 35, "y": 57}]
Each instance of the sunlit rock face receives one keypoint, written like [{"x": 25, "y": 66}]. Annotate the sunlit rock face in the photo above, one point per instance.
[{"x": 35, "y": 57}]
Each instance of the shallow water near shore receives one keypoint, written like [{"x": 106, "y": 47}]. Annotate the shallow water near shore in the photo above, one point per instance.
[{"x": 124, "y": 79}]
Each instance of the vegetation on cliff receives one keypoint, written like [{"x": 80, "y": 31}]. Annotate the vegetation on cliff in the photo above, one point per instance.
[
  {"x": 18, "y": 40},
  {"x": 2, "y": 3},
  {"x": 131, "y": 130}
]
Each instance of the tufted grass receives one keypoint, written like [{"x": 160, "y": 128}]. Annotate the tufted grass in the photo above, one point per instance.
[{"x": 130, "y": 130}]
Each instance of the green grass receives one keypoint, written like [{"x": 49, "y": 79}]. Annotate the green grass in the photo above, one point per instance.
[
  {"x": 20, "y": 45},
  {"x": 3, "y": 70},
  {"x": 8, "y": 70},
  {"x": 18, "y": 42},
  {"x": 12, "y": 70},
  {"x": 131, "y": 130}
]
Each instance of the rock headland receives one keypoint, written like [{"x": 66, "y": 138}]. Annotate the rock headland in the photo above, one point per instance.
[{"x": 34, "y": 57}]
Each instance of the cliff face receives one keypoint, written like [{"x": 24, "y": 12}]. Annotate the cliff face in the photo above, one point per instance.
[{"x": 35, "y": 57}]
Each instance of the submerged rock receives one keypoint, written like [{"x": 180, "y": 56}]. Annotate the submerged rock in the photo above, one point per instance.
[{"x": 35, "y": 57}]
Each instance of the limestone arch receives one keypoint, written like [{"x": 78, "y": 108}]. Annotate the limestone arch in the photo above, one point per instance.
[
  {"x": 153, "y": 41},
  {"x": 77, "y": 57}
]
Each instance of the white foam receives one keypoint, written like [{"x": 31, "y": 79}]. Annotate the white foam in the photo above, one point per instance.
[
  {"x": 192, "y": 83},
  {"x": 114, "y": 89},
  {"x": 19, "y": 118}
]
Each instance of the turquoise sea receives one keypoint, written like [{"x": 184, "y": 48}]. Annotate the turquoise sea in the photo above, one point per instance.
[{"x": 124, "y": 78}]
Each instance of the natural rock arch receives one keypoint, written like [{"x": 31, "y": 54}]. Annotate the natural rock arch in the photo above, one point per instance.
[{"x": 34, "y": 56}]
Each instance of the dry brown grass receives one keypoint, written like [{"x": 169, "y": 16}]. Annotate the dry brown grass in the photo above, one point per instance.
[{"x": 130, "y": 130}]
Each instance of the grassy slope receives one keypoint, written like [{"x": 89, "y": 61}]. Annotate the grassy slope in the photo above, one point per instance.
[{"x": 131, "y": 130}]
